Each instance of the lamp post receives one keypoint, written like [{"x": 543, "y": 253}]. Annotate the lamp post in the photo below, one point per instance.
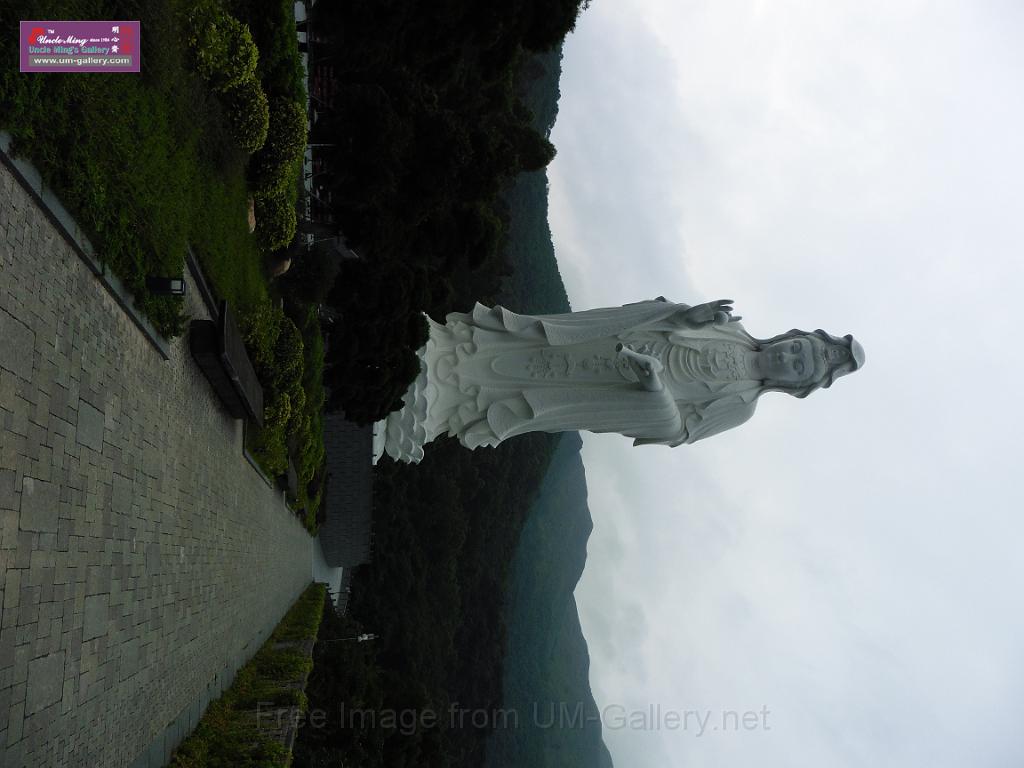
[{"x": 358, "y": 638}]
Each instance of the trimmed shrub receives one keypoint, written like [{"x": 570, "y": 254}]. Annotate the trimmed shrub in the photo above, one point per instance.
[
  {"x": 288, "y": 357},
  {"x": 276, "y": 219},
  {"x": 249, "y": 112},
  {"x": 288, "y": 130},
  {"x": 224, "y": 51},
  {"x": 273, "y": 28},
  {"x": 284, "y": 665},
  {"x": 277, "y": 350},
  {"x": 260, "y": 328},
  {"x": 312, "y": 275},
  {"x": 285, "y": 145},
  {"x": 228, "y": 735},
  {"x": 276, "y": 347},
  {"x": 269, "y": 449}
]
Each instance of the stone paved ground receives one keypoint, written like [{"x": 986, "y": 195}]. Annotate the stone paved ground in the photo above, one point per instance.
[{"x": 139, "y": 552}]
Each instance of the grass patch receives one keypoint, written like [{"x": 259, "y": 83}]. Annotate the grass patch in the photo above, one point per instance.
[
  {"x": 236, "y": 275},
  {"x": 145, "y": 163},
  {"x": 227, "y": 734}
]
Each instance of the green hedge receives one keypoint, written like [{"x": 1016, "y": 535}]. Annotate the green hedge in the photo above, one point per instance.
[
  {"x": 272, "y": 23},
  {"x": 285, "y": 145},
  {"x": 276, "y": 219},
  {"x": 222, "y": 46},
  {"x": 276, "y": 348},
  {"x": 249, "y": 113},
  {"x": 227, "y": 735}
]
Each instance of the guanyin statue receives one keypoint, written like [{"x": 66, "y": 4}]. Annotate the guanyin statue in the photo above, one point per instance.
[{"x": 656, "y": 371}]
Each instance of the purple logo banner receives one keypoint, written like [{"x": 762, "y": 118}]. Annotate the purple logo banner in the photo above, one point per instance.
[{"x": 80, "y": 46}]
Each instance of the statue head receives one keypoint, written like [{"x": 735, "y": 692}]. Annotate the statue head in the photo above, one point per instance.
[{"x": 802, "y": 361}]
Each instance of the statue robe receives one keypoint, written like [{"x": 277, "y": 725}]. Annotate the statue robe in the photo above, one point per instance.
[{"x": 493, "y": 374}]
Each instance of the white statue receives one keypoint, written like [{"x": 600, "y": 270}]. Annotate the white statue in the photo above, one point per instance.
[{"x": 656, "y": 371}]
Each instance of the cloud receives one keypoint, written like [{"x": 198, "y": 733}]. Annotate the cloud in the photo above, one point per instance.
[
  {"x": 623, "y": 85},
  {"x": 849, "y": 559}
]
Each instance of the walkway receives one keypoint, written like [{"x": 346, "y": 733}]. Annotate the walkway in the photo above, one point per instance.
[{"x": 141, "y": 557}]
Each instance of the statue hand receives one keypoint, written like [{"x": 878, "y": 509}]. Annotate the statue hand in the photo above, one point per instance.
[
  {"x": 645, "y": 367},
  {"x": 713, "y": 312}
]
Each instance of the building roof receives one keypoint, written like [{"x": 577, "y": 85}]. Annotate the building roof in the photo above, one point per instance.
[{"x": 346, "y": 535}]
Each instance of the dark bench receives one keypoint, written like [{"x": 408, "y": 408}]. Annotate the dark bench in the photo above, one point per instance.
[{"x": 218, "y": 349}]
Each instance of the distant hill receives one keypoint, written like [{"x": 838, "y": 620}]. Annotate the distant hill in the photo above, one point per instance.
[
  {"x": 535, "y": 287},
  {"x": 547, "y": 667}
]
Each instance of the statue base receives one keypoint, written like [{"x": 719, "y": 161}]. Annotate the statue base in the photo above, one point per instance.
[
  {"x": 403, "y": 433},
  {"x": 438, "y": 402}
]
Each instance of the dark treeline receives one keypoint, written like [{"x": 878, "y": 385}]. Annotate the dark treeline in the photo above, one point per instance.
[
  {"x": 533, "y": 286},
  {"x": 445, "y": 530},
  {"x": 445, "y": 535},
  {"x": 428, "y": 126}
]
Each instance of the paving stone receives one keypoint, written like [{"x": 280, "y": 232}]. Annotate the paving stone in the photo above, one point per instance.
[
  {"x": 27, "y": 543},
  {"x": 39, "y": 505},
  {"x": 6, "y": 649},
  {"x": 90, "y": 426},
  {"x": 151, "y": 463},
  {"x": 153, "y": 559},
  {"x": 19, "y": 409},
  {"x": 121, "y": 495},
  {"x": 15, "y": 723},
  {"x": 165, "y": 556},
  {"x": 17, "y": 346},
  {"x": 12, "y": 588},
  {"x": 8, "y": 497},
  {"x": 45, "y": 682},
  {"x": 129, "y": 659},
  {"x": 96, "y": 609}
]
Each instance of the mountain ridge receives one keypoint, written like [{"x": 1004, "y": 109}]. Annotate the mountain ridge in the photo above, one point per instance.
[{"x": 547, "y": 663}]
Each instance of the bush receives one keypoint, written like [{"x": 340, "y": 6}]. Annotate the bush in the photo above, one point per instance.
[
  {"x": 249, "y": 112},
  {"x": 278, "y": 355},
  {"x": 273, "y": 28},
  {"x": 276, "y": 219},
  {"x": 288, "y": 360},
  {"x": 306, "y": 436},
  {"x": 312, "y": 275},
  {"x": 284, "y": 665},
  {"x": 260, "y": 326},
  {"x": 288, "y": 130},
  {"x": 224, "y": 51},
  {"x": 269, "y": 449},
  {"x": 228, "y": 735},
  {"x": 284, "y": 147}
]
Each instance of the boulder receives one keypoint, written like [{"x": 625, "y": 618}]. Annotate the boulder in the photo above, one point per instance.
[{"x": 279, "y": 266}]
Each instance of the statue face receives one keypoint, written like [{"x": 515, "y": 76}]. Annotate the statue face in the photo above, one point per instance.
[{"x": 790, "y": 361}]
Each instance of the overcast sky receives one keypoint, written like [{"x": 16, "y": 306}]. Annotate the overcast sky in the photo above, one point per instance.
[{"x": 849, "y": 561}]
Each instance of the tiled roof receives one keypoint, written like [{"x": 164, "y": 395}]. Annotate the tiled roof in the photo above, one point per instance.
[{"x": 346, "y": 534}]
